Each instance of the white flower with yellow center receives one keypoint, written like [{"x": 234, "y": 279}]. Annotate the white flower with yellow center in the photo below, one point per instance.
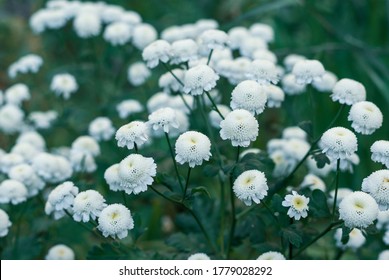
[
  {"x": 88, "y": 205},
  {"x": 163, "y": 119},
  {"x": 356, "y": 239},
  {"x": 313, "y": 182},
  {"x": 63, "y": 84},
  {"x": 377, "y": 185},
  {"x": 380, "y": 152},
  {"x": 193, "y": 147},
  {"x": 60, "y": 252},
  {"x": 298, "y": 205},
  {"x": 251, "y": 186},
  {"x": 338, "y": 143},
  {"x": 131, "y": 134},
  {"x": 115, "y": 220},
  {"x": 366, "y": 117},
  {"x": 111, "y": 176},
  {"x": 271, "y": 255}
]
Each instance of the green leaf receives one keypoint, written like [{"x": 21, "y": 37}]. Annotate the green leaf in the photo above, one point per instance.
[
  {"x": 345, "y": 234},
  {"x": 227, "y": 169},
  {"x": 307, "y": 127},
  {"x": 372, "y": 230},
  {"x": 321, "y": 160},
  {"x": 210, "y": 170},
  {"x": 201, "y": 190},
  {"x": 292, "y": 235},
  {"x": 318, "y": 204},
  {"x": 106, "y": 251},
  {"x": 276, "y": 203}
]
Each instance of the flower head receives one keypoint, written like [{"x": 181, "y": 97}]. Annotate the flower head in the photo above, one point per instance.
[
  {"x": 213, "y": 39},
  {"x": 356, "y": 239},
  {"x": 25, "y": 174},
  {"x": 12, "y": 191},
  {"x": 101, "y": 128},
  {"x": 16, "y": 94},
  {"x": 326, "y": 83},
  {"x": 135, "y": 132},
  {"x": 87, "y": 24},
  {"x": 271, "y": 255},
  {"x": 249, "y": 95},
  {"x": 215, "y": 118},
  {"x": 347, "y": 91},
  {"x": 307, "y": 71},
  {"x": 5, "y": 223},
  {"x": 184, "y": 51},
  {"x": 377, "y": 185},
  {"x": 111, "y": 176},
  {"x": 64, "y": 84},
  {"x": 275, "y": 96},
  {"x": 129, "y": 107},
  {"x": 11, "y": 118},
  {"x": 338, "y": 143},
  {"x": 290, "y": 85},
  {"x": 138, "y": 73},
  {"x": 251, "y": 186},
  {"x": 28, "y": 63},
  {"x": 159, "y": 50},
  {"x": 61, "y": 199},
  {"x": 117, "y": 33},
  {"x": 163, "y": 119},
  {"x": 366, "y": 117},
  {"x": 199, "y": 257},
  {"x": 313, "y": 182},
  {"x": 199, "y": 78},
  {"x": 380, "y": 152},
  {"x": 263, "y": 71},
  {"x": 298, "y": 205},
  {"x": 143, "y": 35},
  {"x": 88, "y": 205},
  {"x": 115, "y": 220},
  {"x": 60, "y": 252},
  {"x": 192, "y": 147}
]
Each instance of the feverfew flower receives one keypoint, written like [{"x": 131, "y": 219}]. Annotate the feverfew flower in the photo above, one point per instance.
[
  {"x": 356, "y": 239},
  {"x": 7, "y": 161},
  {"x": 326, "y": 83},
  {"x": 101, "y": 128},
  {"x": 86, "y": 145},
  {"x": 131, "y": 134},
  {"x": 5, "y": 223},
  {"x": 25, "y": 174},
  {"x": 290, "y": 85},
  {"x": 213, "y": 39},
  {"x": 28, "y": 63},
  {"x": 87, "y": 24},
  {"x": 143, "y": 34},
  {"x": 43, "y": 120},
  {"x": 338, "y": 143},
  {"x": 33, "y": 138},
  {"x": 384, "y": 255},
  {"x": 169, "y": 83},
  {"x": 199, "y": 78},
  {"x": 138, "y": 73},
  {"x": 52, "y": 168},
  {"x": 298, "y": 205},
  {"x": 64, "y": 84},
  {"x": 251, "y": 45},
  {"x": 82, "y": 161},
  {"x": 275, "y": 96},
  {"x": 183, "y": 51},
  {"x": 16, "y": 94},
  {"x": 163, "y": 119},
  {"x": 193, "y": 147},
  {"x": 240, "y": 127},
  {"x": 249, "y": 95},
  {"x": 111, "y": 176},
  {"x": 61, "y": 199},
  {"x": 88, "y": 205},
  {"x": 115, "y": 220},
  {"x": 137, "y": 172},
  {"x": 60, "y": 252},
  {"x": 271, "y": 255},
  {"x": 11, "y": 118},
  {"x": 263, "y": 31},
  {"x": 358, "y": 210},
  {"x": 307, "y": 71},
  {"x": 313, "y": 182},
  {"x": 129, "y": 107},
  {"x": 199, "y": 257},
  {"x": 215, "y": 118},
  {"x": 12, "y": 191},
  {"x": 263, "y": 71},
  {"x": 159, "y": 50},
  {"x": 236, "y": 35},
  {"x": 347, "y": 91},
  {"x": 377, "y": 185},
  {"x": 117, "y": 33},
  {"x": 366, "y": 117},
  {"x": 251, "y": 186},
  {"x": 291, "y": 59},
  {"x": 294, "y": 132},
  {"x": 380, "y": 152}
]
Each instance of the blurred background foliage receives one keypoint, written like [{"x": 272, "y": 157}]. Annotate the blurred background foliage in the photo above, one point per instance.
[{"x": 350, "y": 38}]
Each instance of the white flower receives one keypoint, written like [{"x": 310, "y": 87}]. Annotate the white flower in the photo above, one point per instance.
[
  {"x": 129, "y": 107},
  {"x": 366, "y": 117},
  {"x": 5, "y": 223},
  {"x": 192, "y": 147},
  {"x": 291, "y": 59},
  {"x": 111, "y": 13},
  {"x": 12, "y": 191},
  {"x": 87, "y": 24},
  {"x": 294, "y": 132},
  {"x": 307, "y": 71},
  {"x": 52, "y": 168},
  {"x": 236, "y": 35},
  {"x": 356, "y": 239},
  {"x": 213, "y": 39},
  {"x": 326, "y": 83},
  {"x": 338, "y": 143},
  {"x": 386, "y": 237},
  {"x": 275, "y": 96},
  {"x": 137, "y": 172},
  {"x": 159, "y": 50},
  {"x": 347, "y": 91},
  {"x": 115, "y": 220},
  {"x": 135, "y": 132},
  {"x": 377, "y": 185},
  {"x": 177, "y": 103},
  {"x": 43, "y": 120},
  {"x": 380, "y": 152},
  {"x": 130, "y": 17},
  {"x": 143, "y": 34},
  {"x": 88, "y": 205},
  {"x": 263, "y": 71},
  {"x": 265, "y": 55},
  {"x": 111, "y": 176},
  {"x": 33, "y": 138},
  {"x": 250, "y": 45},
  {"x": 61, "y": 199},
  {"x": 157, "y": 101},
  {"x": 169, "y": 83},
  {"x": 298, "y": 205},
  {"x": 101, "y": 128},
  {"x": 28, "y": 63},
  {"x": 215, "y": 118},
  {"x": 251, "y": 186},
  {"x": 283, "y": 163},
  {"x": 199, "y": 257},
  {"x": 290, "y": 85},
  {"x": 7, "y": 161},
  {"x": 249, "y": 95},
  {"x": 271, "y": 255},
  {"x": 383, "y": 219},
  {"x": 183, "y": 51},
  {"x": 64, "y": 84},
  {"x": 138, "y": 73},
  {"x": 199, "y": 78},
  {"x": 25, "y": 174},
  {"x": 313, "y": 182},
  {"x": 163, "y": 119},
  {"x": 295, "y": 149},
  {"x": 86, "y": 145},
  {"x": 11, "y": 118},
  {"x": 240, "y": 127},
  {"x": 358, "y": 210},
  {"x": 60, "y": 252},
  {"x": 262, "y": 31},
  {"x": 117, "y": 33},
  {"x": 82, "y": 161},
  {"x": 16, "y": 94},
  {"x": 384, "y": 255},
  {"x": 26, "y": 150}
]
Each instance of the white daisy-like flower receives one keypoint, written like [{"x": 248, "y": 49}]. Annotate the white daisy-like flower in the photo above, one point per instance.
[
  {"x": 199, "y": 257},
  {"x": 295, "y": 149},
  {"x": 251, "y": 186},
  {"x": 111, "y": 13},
  {"x": 366, "y": 117},
  {"x": 213, "y": 39},
  {"x": 271, "y": 255},
  {"x": 283, "y": 164},
  {"x": 184, "y": 51},
  {"x": 338, "y": 143},
  {"x": 137, "y": 172},
  {"x": 199, "y": 78},
  {"x": 138, "y": 73},
  {"x": 356, "y": 239},
  {"x": 347, "y": 91},
  {"x": 383, "y": 219},
  {"x": 249, "y": 95},
  {"x": 60, "y": 252},
  {"x": 101, "y": 129},
  {"x": 262, "y": 31},
  {"x": 117, "y": 33},
  {"x": 7, "y": 161},
  {"x": 215, "y": 118},
  {"x": 88, "y": 205},
  {"x": 143, "y": 35},
  {"x": 135, "y": 132},
  {"x": 313, "y": 182},
  {"x": 236, "y": 35},
  {"x": 111, "y": 176},
  {"x": 377, "y": 185},
  {"x": 275, "y": 96},
  {"x": 169, "y": 83},
  {"x": 263, "y": 71},
  {"x": 193, "y": 147},
  {"x": 12, "y": 191},
  {"x": 294, "y": 132},
  {"x": 52, "y": 168},
  {"x": 265, "y": 55},
  {"x": 159, "y": 50},
  {"x": 157, "y": 101},
  {"x": 16, "y": 94},
  {"x": 5, "y": 223},
  {"x": 163, "y": 119},
  {"x": 130, "y": 17},
  {"x": 204, "y": 24},
  {"x": 43, "y": 120},
  {"x": 86, "y": 145},
  {"x": 33, "y": 138},
  {"x": 307, "y": 71},
  {"x": 290, "y": 85},
  {"x": 384, "y": 255},
  {"x": 61, "y": 199},
  {"x": 380, "y": 152},
  {"x": 82, "y": 161},
  {"x": 64, "y": 85},
  {"x": 11, "y": 118},
  {"x": 26, "y": 150},
  {"x": 291, "y": 59},
  {"x": 30, "y": 63},
  {"x": 298, "y": 205},
  {"x": 87, "y": 24},
  {"x": 115, "y": 220},
  {"x": 240, "y": 127},
  {"x": 25, "y": 174},
  {"x": 250, "y": 45},
  {"x": 129, "y": 107},
  {"x": 326, "y": 83},
  {"x": 358, "y": 210}
]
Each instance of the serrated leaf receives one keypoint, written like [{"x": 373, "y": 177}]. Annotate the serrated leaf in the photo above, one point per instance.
[
  {"x": 227, "y": 169},
  {"x": 210, "y": 170},
  {"x": 318, "y": 204},
  {"x": 201, "y": 190},
  {"x": 372, "y": 230},
  {"x": 173, "y": 196},
  {"x": 321, "y": 160},
  {"x": 292, "y": 235},
  {"x": 276, "y": 203},
  {"x": 307, "y": 127}
]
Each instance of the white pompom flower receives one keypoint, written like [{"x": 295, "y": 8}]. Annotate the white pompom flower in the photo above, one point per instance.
[
  {"x": 169, "y": 83},
  {"x": 263, "y": 71},
  {"x": 82, "y": 161},
  {"x": 117, "y": 33},
  {"x": 143, "y": 34},
  {"x": 291, "y": 59},
  {"x": 86, "y": 145},
  {"x": 25, "y": 174},
  {"x": 88, "y": 205},
  {"x": 5, "y": 223},
  {"x": 380, "y": 152},
  {"x": 358, "y": 210},
  {"x": 30, "y": 63},
  {"x": 192, "y": 147},
  {"x": 101, "y": 129},
  {"x": 338, "y": 143},
  {"x": 271, "y": 255},
  {"x": 377, "y": 185},
  {"x": 366, "y": 117},
  {"x": 298, "y": 205},
  {"x": 294, "y": 132},
  {"x": 16, "y": 94},
  {"x": 326, "y": 83},
  {"x": 356, "y": 239},
  {"x": 199, "y": 78},
  {"x": 12, "y": 191},
  {"x": 290, "y": 85},
  {"x": 240, "y": 127},
  {"x": 199, "y": 257},
  {"x": 138, "y": 73},
  {"x": 136, "y": 173},
  {"x": 131, "y": 134},
  {"x": 213, "y": 39},
  {"x": 347, "y": 91},
  {"x": 313, "y": 182},
  {"x": 11, "y": 118},
  {"x": 115, "y": 220},
  {"x": 163, "y": 119},
  {"x": 87, "y": 24},
  {"x": 384, "y": 255},
  {"x": 307, "y": 71},
  {"x": 112, "y": 178},
  {"x": 157, "y": 51},
  {"x": 7, "y": 161},
  {"x": 64, "y": 85},
  {"x": 275, "y": 96},
  {"x": 184, "y": 51},
  {"x": 262, "y": 31},
  {"x": 251, "y": 186},
  {"x": 61, "y": 199},
  {"x": 129, "y": 107},
  {"x": 249, "y": 95},
  {"x": 60, "y": 252}
]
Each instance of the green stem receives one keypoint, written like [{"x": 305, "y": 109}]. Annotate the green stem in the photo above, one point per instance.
[
  {"x": 213, "y": 104},
  {"x": 290, "y": 243},
  {"x": 124, "y": 195},
  {"x": 186, "y": 184},
  {"x": 17, "y": 233},
  {"x": 174, "y": 160},
  {"x": 136, "y": 148},
  {"x": 209, "y": 57},
  {"x": 339, "y": 254},
  {"x": 336, "y": 188}
]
